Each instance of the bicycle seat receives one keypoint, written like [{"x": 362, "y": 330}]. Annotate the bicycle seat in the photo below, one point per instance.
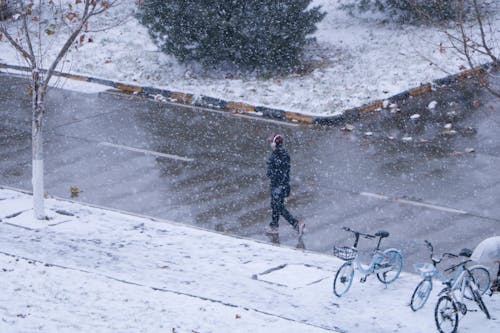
[
  {"x": 382, "y": 234},
  {"x": 465, "y": 252}
]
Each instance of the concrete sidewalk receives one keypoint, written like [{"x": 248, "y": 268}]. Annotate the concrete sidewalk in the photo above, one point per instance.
[{"x": 93, "y": 270}]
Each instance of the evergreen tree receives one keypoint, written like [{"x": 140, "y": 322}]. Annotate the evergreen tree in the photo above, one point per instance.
[{"x": 265, "y": 34}]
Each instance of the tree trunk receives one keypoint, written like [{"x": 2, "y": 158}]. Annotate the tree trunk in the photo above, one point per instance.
[{"x": 38, "y": 105}]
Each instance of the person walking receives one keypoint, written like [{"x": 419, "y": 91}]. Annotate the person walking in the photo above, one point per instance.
[{"x": 278, "y": 172}]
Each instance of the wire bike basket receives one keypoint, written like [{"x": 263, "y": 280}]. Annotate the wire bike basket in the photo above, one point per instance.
[
  {"x": 426, "y": 270},
  {"x": 345, "y": 253}
]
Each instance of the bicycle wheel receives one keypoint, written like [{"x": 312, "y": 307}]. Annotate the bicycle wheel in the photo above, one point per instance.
[
  {"x": 393, "y": 259},
  {"x": 421, "y": 294},
  {"x": 446, "y": 315},
  {"x": 481, "y": 277},
  {"x": 343, "y": 279},
  {"x": 479, "y": 301}
]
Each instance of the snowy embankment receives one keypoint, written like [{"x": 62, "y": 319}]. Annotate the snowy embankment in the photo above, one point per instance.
[
  {"x": 93, "y": 270},
  {"x": 357, "y": 60}
]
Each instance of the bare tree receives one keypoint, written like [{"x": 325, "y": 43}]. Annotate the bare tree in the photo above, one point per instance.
[
  {"x": 32, "y": 28},
  {"x": 473, "y": 37}
]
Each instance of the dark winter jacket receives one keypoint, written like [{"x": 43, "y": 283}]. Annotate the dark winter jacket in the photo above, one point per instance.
[{"x": 278, "y": 170}]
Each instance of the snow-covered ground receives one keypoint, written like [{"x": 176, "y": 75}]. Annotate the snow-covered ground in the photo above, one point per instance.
[
  {"x": 359, "y": 60},
  {"x": 88, "y": 269}
]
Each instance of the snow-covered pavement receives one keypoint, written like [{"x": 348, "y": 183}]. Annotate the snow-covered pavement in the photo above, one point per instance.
[{"x": 93, "y": 270}]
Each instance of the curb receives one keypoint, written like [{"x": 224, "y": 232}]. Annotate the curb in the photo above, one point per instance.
[
  {"x": 218, "y": 104},
  {"x": 166, "y": 221}
]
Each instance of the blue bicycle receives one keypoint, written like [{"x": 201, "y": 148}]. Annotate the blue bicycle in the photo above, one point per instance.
[
  {"x": 385, "y": 264},
  {"x": 421, "y": 293}
]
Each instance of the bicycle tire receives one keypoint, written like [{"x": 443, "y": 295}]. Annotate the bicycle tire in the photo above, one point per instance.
[
  {"x": 481, "y": 277},
  {"x": 343, "y": 278},
  {"x": 446, "y": 310},
  {"x": 421, "y": 294},
  {"x": 395, "y": 260}
]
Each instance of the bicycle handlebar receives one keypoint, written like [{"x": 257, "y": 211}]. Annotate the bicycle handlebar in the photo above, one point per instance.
[
  {"x": 452, "y": 268},
  {"x": 437, "y": 261},
  {"x": 367, "y": 236},
  {"x": 446, "y": 254}
]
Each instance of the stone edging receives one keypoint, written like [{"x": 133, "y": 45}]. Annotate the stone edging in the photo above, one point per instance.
[{"x": 263, "y": 111}]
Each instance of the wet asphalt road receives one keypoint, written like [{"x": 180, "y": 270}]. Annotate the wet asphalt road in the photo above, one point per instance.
[{"x": 208, "y": 168}]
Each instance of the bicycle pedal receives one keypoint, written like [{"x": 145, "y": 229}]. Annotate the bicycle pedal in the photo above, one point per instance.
[
  {"x": 362, "y": 280},
  {"x": 462, "y": 308}
]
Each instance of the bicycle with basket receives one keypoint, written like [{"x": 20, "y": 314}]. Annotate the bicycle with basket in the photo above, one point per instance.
[{"x": 386, "y": 264}]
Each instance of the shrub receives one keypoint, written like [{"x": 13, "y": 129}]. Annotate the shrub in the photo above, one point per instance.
[
  {"x": 6, "y": 8},
  {"x": 410, "y": 10},
  {"x": 254, "y": 34}
]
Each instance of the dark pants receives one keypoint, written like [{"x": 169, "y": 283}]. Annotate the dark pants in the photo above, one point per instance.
[{"x": 278, "y": 206}]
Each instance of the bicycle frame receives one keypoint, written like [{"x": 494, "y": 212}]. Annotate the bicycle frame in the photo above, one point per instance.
[
  {"x": 461, "y": 280},
  {"x": 377, "y": 257}
]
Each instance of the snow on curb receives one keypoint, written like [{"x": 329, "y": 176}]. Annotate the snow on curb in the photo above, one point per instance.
[{"x": 181, "y": 98}]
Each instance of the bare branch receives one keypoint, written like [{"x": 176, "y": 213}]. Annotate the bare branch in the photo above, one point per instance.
[
  {"x": 89, "y": 11},
  {"x": 471, "y": 44},
  {"x": 463, "y": 36},
  {"x": 24, "y": 15},
  {"x": 481, "y": 28},
  {"x": 13, "y": 42},
  {"x": 464, "y": 43}
]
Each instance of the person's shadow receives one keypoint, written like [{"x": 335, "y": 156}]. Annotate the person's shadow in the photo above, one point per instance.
[
  {"x": 300, "y": 243},
  {"x": 275, "y": 238}
]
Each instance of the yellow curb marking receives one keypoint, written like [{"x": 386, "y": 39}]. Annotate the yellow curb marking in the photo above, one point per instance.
[
  {"x": 127, "y": 87},
  {"x": 75, "y": 77},
  {"x": 420, "y": 90},
  {"x": 374, "y": 106},
  {"x": 240, "y": 107},
  {"x": 299, "y": 117},
  {"x": 470, "y": 72}
]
